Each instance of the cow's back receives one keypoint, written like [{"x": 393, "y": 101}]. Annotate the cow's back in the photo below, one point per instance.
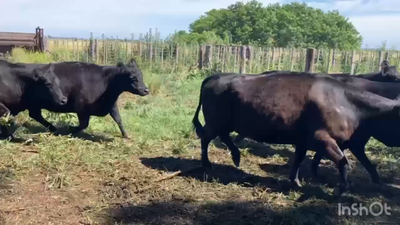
[
  {"x": 263, "y": 107},
  {"x": 82, "y": 83},
  {"x": 276, "y": 108}
]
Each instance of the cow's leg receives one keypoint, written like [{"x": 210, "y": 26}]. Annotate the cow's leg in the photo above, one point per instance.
[
  {"x": 299, "y": 155},
  {"x": 359, "y": 152},
  {"x": 337, "y": 156},
  {"x": 83, "y": 123},
  {"x": 36, "y": 114},
  {"x": 232, "y": 147},
  {"x": 208, "y": 136},
  {"x": 315, "y": 163},
  {"x": 4, "y": 131},
  {"x": 117, "y": 118}
]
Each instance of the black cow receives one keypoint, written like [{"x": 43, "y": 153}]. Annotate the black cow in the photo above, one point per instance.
[
  {"x": 309, "y": 111},
  {"x": 92, "y": 90},
  {"x": 22, "y": 86},
  {"x": 388, "y": 73},
  {"x": 384, "y": 130}
]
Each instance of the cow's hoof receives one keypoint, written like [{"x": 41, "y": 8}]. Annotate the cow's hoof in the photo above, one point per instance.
[
  {"x": 10, "y": 137},
  {"x": 52, "y": 129},
  {"x": 75, "y": 130},
  {"x": 236, "y": 159},
  {"x": 126, "y": 137},
  {"x": 339, "y": 190}
]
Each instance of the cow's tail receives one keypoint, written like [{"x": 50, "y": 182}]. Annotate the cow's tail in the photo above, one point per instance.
[{"x": 196, "y": 123}]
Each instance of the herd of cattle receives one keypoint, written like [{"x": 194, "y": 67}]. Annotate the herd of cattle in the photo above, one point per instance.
[{"x": 326, "y": 113}]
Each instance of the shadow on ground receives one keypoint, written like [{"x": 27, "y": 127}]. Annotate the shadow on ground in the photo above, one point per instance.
[
  {"x": 64, "y": 131},
  {"x": 256, "y": 148},
  {"x": 360, "y": 181},
  {"x": 328, "y": 173},
  {"x": 266, "y": 151},
  {"x": 226, "y": 174},
  {"x": 233, "y": 212}
]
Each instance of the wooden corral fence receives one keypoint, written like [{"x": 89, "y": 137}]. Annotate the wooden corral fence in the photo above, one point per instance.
[
  {"x": 165, "y": 56},
  {"x": 32, "y": 41}
]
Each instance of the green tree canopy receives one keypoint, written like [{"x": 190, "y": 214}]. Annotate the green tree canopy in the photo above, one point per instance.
[
  {"x": 288, "y": 25},
  {"x": 206, "y": 37}
]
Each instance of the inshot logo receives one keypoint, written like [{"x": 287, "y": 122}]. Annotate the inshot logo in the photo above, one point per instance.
[{"x": 358, "y": 209}]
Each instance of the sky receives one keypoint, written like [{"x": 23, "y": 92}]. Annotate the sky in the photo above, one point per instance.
[{"x": 374, "y": 19}]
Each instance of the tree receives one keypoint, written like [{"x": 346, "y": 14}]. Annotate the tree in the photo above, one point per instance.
[
  {"x": 206, "y": 37},
  {"x": 288, "y": 25}
]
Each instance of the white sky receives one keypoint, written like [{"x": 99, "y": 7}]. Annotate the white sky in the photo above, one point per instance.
[{"x": 374, "y": 19}]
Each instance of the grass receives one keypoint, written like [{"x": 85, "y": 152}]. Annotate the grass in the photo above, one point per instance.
[{"x": 97, "y": 177}]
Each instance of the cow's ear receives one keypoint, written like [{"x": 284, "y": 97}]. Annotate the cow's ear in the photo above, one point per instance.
[
  {"x": 51, "y": 66},
  {"x": 36, "y": 75},
  {"x": 120, "y": 64},
  {"x": 132, "y": 62}
]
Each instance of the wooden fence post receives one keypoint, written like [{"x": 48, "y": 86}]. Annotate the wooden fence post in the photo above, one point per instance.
[
  {"x": 162, "y": 53},
  {"x": 280, "y": 58},
  {"x": 387, "y": 56},
  {"x": 223, "y": 54},
  {"x": 234, "y": 57},
  {"x": 227, "y": 57},
  {"x": 329, "y": 61},
  {"x": 353, "y": 63},
  {"x": 291, "y": 59},
  {"x": 310, "y": 56},
  {"x": 139, "y": 43},
  {"x": 42, "y": 43},
  {"x": 91, "y": 48},
  {"x": 96, "y": 43},
  {"x": 242, "y": 68},
  {"x": 201, "y": 57},
  {"x": 126, "y": 49},
  {"x": 208, "y": 56},
  {"x": 176, "y": 54},
  {"x": 273, "y": 58},
  {"x": 249, "y": 56},
  {"x": 268, "y": 58},
  {"x": 73, "y": 49},
  {"x": 150, "y": 51},
  {"x": 260, "y": 57},
  {"x": 380, "y": 60}
]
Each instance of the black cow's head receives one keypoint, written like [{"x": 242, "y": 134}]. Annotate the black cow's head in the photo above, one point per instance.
[
  {"x": 131, "y": 78},
  {"x": 47, "y": 82},
  {"x": 384, "y": 65},
  {"x": 389, "y": 73}
]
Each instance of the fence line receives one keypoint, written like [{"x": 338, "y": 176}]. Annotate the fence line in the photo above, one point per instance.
[{"x": 226, "y": 58}]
